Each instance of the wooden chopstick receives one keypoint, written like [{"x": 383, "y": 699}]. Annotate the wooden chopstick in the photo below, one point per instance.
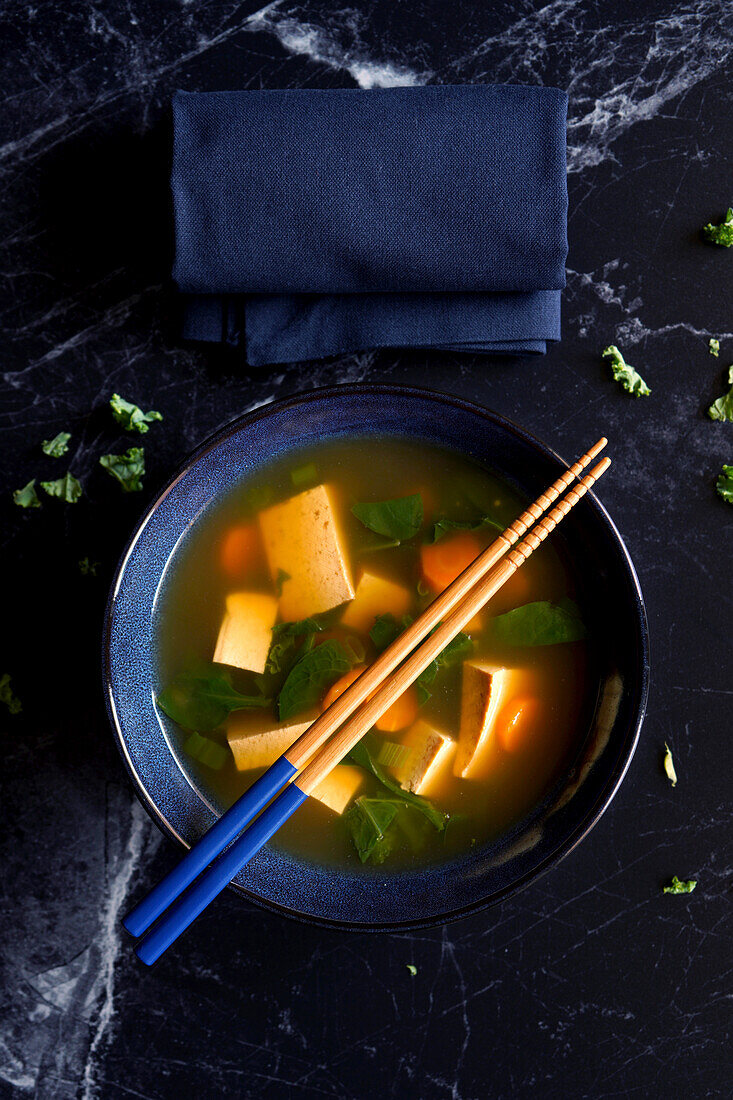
[{"x": 212, "y": 881}]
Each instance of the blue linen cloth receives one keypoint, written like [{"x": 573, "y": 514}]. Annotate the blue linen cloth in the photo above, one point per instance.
[{"x": 312, "y": 223}]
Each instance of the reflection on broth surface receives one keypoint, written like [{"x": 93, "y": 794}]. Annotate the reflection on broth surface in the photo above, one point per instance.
[{"x": 349, "y": 540}]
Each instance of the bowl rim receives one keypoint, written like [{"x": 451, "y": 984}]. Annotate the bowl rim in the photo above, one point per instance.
[{"x": 638, "y": 703}]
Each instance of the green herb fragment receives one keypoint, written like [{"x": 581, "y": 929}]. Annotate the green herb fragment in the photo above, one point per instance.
[
  {"x": 27, "y": 497},
  {"x": 714, "y": 346},
  {"x": 722, "y": 409},
  {"x": 540, "y": 623},
  {"x": 7, "y": 696},
  {"x": 130, "y": 416},
  {"x": 89, "y": 568},
  {"x": 386, "y": 629},
  {"x": 260, "y": 496},
  {"x": 202, "y": 700},
  {"x": 630, "y": 379},
  {"x": 57, "y": 446},
  {"x": 295, "y": 629},
  {"x": 680, "y": 886},
  {"x": 412, "y": 968},
  {"x": 724, "y": 484},
  {"x": 363, "y": 755},
  {"x": 458, "y": 648},
  {"x": 282, "y": 576},
  {"x": 722, "y": 233},
  {"x": 66, "y": 488},
  {"x": 368, "y": 819},
  {"x": 445, "y": 526},
  {"x": 393, "y": 755},
  {"x": 311, "y": 675},
  {"x": 304, "y": 475},
  {"x": 128, "y": 469},
  {"x": 422, "y": 588},
  {"x": 668, "y": 763},
  {"x": 206, "y": 751},
  {"x": 395, "y": 519}
]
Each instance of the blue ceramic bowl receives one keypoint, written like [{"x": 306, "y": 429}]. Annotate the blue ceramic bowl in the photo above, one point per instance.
[{"x": 367, "y": 898}]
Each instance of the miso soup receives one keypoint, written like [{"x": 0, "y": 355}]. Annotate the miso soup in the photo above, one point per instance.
[{"x": 287, "y": 587}]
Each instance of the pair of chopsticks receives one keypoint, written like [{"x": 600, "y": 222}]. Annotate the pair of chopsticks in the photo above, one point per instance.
[{"x": 222, "y": 852}]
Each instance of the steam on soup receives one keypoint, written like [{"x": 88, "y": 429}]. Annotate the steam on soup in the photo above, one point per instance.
[{"x": 283, "y": 591}]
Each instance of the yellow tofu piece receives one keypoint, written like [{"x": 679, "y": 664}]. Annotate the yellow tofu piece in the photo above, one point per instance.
[
  {"x": 375, "y": 596},
  {"x": 246, "y": 630},
  {"x": 339, "y": 787},
  {"x": 430, "y": 752},
  {"x": 483, "y": 690},
  {"x": 302, "y": 538},
  {"x": 257, "y": 741}
]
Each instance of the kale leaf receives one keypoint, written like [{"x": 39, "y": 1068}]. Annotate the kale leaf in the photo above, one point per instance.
[{"x": 630, "y": 379}]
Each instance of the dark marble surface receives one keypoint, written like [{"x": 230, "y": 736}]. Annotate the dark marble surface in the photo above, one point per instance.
[{"x": 592, "y": 983}]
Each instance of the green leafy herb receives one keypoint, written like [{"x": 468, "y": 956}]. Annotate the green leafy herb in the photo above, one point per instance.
[
  {"x": 457, "y": 648},
  {"x": 386, "y": 629},
  {"x": 724, "y": 484},
  {"x": 206, "y": 751},
  {"x": 540, "y": 623},
  {"x": 57, "y": 446},
  {"x": 128, "y": 468},
  {"x": 27, "y": 497},
  {"x": 630, "y": 379},
  {"x": 722, "y": 233},
  {"x": 395, "y": 519},
  {"x": 310, "y": 676},
  {"x": 446, "y": 526},
  {"x": 680, "y": 886},
  {"x": 393, "y": 755},
  {"x": 304, "y": 475},
  {"x": 130, "y": 416},
  {"x": 722, "y": 409},
  {"x": 412, "y": 968},
  {"x": 312, "y": 625},
  {"x": 7, "y": 696},
  {"x": 668, "y": 763},
  {"x": 260, "y": 496},
  {"x": 87, "y": 567},
  {"x": 282, "y": 576},
  {"x": 362, "y": 755},
  {"x": 368, "y": 819},
  {"x": 714, "y": 346},
  {"x": 202, "y": 700},
  {"x": 66, "y": 488}
]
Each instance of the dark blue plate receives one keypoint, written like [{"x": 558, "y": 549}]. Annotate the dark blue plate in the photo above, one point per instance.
[{"x": 607, "y": 586}]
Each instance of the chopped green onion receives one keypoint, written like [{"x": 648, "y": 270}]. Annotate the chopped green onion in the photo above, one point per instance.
[
  {"x": 304, "y": 475},
  {"x": 393, "y": 755},
  {"x": 412, "y": 968},
  {"x": 206, "y": 751}
]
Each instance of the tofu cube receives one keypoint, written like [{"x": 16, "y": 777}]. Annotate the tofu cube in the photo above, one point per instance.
[
  {"x": 430, "y": 753},
  {"x": 375, "y": 596},
  {"x": 482, "y": 692},
  {"x": 256, "y": 741},
  {"x": 246, "y": 631},
  {"x": 339, "y": 787},
  {"x": 302, "y": 540}
]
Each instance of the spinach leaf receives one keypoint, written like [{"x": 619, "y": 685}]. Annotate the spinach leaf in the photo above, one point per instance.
[
  {"x": 57, "y": 446},
  {"x": 367, "y": 820},
  {"x": 714, "y": 346},
  {"x": 206, "y": 751},
  {"x": 457, "y": 648},
  {"x": 362, "y": 755},
  {"x": 444, "y": 526},
  {"x": 7, "y": 695},
  {"x": 202, "y": 700},
  {"x": 128, "y": 468},
  {"x": 721, "y": 234},
  {"x": 66, "y": 488},
  {"x": 298, "y": 628},
  {"x": 722, "y": 409},
  {"x": 540, "y": 623},
  {"x": 680, "y": 886},
  {"x": 130, "y": 416},
  {"x": 630, "y": 379},
  {"x": 310, "y": 676},
  {"x": 724, "y": 484},
  {"x": 386, "y": 629},
  {"x": 27, "y": 497},
  {"x": 395, "y": 519}
]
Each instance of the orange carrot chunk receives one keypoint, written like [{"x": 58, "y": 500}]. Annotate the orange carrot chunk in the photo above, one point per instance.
[
  {"x": 443, "y": 561},
  {"x": 240, "y": 550},
  {"x": 516, "y": 721},
  {"x": 401, "y": 714},
  {"x": 341, "y": 685}
]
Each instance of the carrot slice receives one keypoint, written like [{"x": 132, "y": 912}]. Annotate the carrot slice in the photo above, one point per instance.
[
  {"x": 240, "y": 550},
  {"x": 443, "y": 561},
  {"x": 341, "y": 685},
  {"x": 401, "y": 714},
  {"x": 516, "y": 721}
]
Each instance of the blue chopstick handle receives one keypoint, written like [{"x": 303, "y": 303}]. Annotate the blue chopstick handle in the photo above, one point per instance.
[
  {"x": 184, "y": 911},
  {"x": 212, "y": 843}
]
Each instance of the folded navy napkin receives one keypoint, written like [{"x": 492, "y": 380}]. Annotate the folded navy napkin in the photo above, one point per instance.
[{"x": 311, "y": 223}]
